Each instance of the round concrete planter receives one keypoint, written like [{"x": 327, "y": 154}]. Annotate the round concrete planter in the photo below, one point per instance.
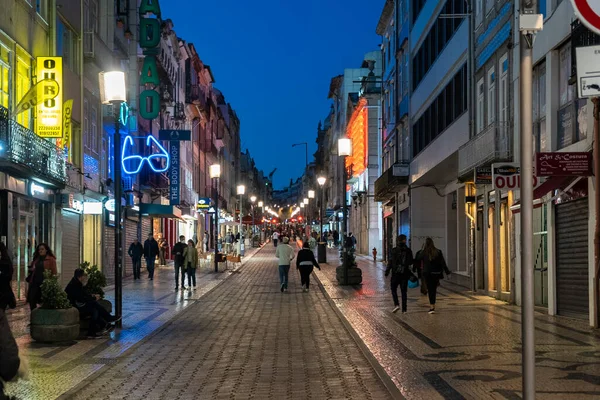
[{"x": 51, "y": 326}]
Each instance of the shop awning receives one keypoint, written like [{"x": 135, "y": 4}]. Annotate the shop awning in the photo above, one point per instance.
[
  {"x": 562, "y": 183},
  {"x": 160, "y": 211}
]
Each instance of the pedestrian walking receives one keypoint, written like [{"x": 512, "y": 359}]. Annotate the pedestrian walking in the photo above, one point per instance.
[
  {"x": 205, "y": 241},
  {"x": 136, "y": 251},
  {"x": 285, "y": 255},
  {"x": 9, "y": 355},
  {"x": 305, "y": 263},
  {"x": 150, "y": 253},
  {"x": 434, "y": 267},
  {"x": 43, "y": 260},
  {"x": 418, "y": 268},
  {"x": 7, "y": 297},
  {"x": 163, "y": 246},
  {"x": 275, "y": 238},
  {"x": 399, "y": 266},
  {"x": 190, "y": 256},
  {"x": 179, "y": 261}
]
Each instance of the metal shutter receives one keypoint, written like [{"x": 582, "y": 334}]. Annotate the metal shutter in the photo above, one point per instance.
[
  {"x": 71, "y": 245},
  {"x": 130, "y": 234},
  {"x": 572, "y": 259},
  {"x": 109, "y": 254}
]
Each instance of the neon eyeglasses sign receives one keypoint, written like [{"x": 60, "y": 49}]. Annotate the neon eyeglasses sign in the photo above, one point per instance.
[{"x": 133, "y": 163}]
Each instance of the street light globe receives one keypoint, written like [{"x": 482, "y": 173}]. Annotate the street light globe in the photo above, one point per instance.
[
  {"x": 253, "y": 199},
  {"x": 112, "y": 86},
  {"x": 311, "y": 194},
  {"x": 305, "y": 201},
  {"x": 241, "y": 189},
  {"x": 321, "y": 180},
  {"x": 260, "y": 203},
  {"x": 344, "y": 147},
  {"x": 215, "y": 171},
  {"x": 302, "y": 205}
]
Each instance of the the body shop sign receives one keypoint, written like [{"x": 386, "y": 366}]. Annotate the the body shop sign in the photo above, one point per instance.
[
  {"x": 49, "y": 112},
  {"x": 174, "y": 173},
  {"x": 507, "y": 176}
]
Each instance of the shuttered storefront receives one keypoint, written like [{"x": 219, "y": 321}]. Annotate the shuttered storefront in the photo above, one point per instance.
[
  {"x": 71, "y": 245},
  {"x": 130, "y": 235},
  {"x": 572, "y": 258},
  {"x": 109, "y": 254}
]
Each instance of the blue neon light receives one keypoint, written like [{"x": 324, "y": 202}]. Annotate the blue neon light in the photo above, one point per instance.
[{"x": 138, "y": 161}]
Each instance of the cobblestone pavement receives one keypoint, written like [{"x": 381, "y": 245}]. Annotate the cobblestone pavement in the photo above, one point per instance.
[
  {"x": 147, "y": 306},
  {"x": 469, "y": 349},
  {"x": 244, "y": 339}
]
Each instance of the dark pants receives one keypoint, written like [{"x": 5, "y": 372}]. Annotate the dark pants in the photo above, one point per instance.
[
  {"x": 178, "y": 267},
  {"x": 137, "y": 266},
  {"x": 432, "y": 285},
  {"x": 191, "y": 273},
  {"x": 283, "y": 275},
  {"x": 402, "y": 281},
  {"x": 275, "y": 242},
  {"x": 99, "y": 316},
  {"x": 150, "y": 266},
  {"x": 305, "y": 272}
]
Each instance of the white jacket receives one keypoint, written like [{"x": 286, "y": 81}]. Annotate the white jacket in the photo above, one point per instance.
[{"x": 285, "y": 254}]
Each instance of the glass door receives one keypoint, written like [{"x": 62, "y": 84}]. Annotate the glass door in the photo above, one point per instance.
[{"x": 25, "y": 240}]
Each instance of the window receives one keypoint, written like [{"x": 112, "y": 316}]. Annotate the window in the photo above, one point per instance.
[
  {"x": 90, "y": 21},
  {"x": 4, "y": 74},
  {"x": 23, "y": 85},
  {"x": 434, "y": 43},
  {"x": 480, "y": 105},
  {"x": 94, "y": 129},
  {"x": 568, "y": 108},
  {"x": 41, "y": 7},
  {"x": 539, "y": 108},
  {"x": 86, "y": 124},
  {"x": 491, "y": 84},
  {"x": 478, "y": 13},
  {"x": 67, "y": 46},
  {"x": 451, "y": 102},
  {"x": 406, "y": 142},
  {"x": 503, "y": 93}
]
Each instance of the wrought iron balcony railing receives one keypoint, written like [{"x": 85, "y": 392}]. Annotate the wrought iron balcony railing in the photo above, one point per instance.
[
  {"x": 493, "y": 144},
  {"x": 28, "y": 155}
]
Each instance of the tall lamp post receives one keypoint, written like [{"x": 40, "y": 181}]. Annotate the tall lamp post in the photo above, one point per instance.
[
  {"x": 262, "y": 211},
  {"x": 311, "y": 195},
  {"x": 321, "y": 249},
  {"x": 345, "y": 150},
  {"x": 252, "y": 200},
  {"x": 114, "y": 91},
  {"x": 241, "y": 189},
  {"x": 215, "y": 173}
]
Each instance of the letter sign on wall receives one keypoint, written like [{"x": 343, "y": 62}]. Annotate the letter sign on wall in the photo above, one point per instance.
[
  {"x": 149, "y": 105},
  {"x": 49, "y": 112}
]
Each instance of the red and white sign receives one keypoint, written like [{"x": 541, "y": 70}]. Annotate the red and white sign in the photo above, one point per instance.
[
  {"x": 507, "y": 176},
  {"x": 588, "y": 11}
]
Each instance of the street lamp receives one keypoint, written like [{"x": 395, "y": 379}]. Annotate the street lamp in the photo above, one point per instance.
[
  {"x": 345, "y": 150},
  {"x": 113, "y": 91},
  {"x": 252, "y": 199},
  {"x": 311, "y": 195},
  {"x": 215, "y": 173},
  {"x": 262, "y": 211},
  {"x": 241, "y": 189},
  {"x": 321, "y": 249}
]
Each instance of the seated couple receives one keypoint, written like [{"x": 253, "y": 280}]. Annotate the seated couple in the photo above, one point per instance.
[{"x": 100, "y": 320}]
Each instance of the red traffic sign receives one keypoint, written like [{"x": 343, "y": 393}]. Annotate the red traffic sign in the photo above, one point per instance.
[
  {"x": 588, "y": 11},
  {"x": 564, "y": 164}
]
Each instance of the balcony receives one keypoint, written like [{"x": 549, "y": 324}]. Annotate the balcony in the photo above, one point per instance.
[
  {"x": 492, "y": 145},
  {"x": 391, "y": 181},
  {"x": 194, "y": 94},
  {"x": 26, "y": 155}
]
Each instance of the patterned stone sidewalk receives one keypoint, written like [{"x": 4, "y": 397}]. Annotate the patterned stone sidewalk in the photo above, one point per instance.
[
  {"x": 469, "y": 349},
  {"x": 244, "y": 339},
  {"x": 147, "y": 307}
]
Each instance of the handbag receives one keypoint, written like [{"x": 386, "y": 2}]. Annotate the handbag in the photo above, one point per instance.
[{"x": 413, "y": 282}]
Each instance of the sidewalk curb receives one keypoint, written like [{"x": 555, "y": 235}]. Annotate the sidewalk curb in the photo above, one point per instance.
[
  {"x": 379, "y": 370},
  {"x": 73, "y": 391}
]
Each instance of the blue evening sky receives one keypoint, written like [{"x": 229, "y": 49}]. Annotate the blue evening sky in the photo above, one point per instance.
[{"x": 273, "y": 60}]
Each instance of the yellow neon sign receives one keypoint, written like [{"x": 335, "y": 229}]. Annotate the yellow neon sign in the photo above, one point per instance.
[{"x": 49, "y": 122}]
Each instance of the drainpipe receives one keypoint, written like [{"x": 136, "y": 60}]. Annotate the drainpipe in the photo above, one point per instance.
[
  {"x": 596, "y": 101},
  {"x": 52, "y": 27}
]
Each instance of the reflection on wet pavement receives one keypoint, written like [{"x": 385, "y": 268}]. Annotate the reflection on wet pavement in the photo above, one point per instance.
[{"x": 469, "y": 349}]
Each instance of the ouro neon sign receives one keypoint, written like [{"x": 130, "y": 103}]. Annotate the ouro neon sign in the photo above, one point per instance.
[{"x": 133, "y": 163}]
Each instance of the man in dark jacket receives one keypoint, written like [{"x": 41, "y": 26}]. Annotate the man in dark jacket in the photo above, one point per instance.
[
  {"x": 399, "y": 265},
  {"x": 150, "y": 253},
  {"x": 9, "y": 354},
  {"x": 136, "y": 251},
  {"x": 87, "y": 304},
  {"x": 178, "y": 262}
]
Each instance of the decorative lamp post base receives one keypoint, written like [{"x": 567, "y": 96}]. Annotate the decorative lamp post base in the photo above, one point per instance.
[{"x": 354, "y": 275}]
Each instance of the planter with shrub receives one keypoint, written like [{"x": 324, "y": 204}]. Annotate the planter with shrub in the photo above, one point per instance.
[{"x": 55, "y": 321}]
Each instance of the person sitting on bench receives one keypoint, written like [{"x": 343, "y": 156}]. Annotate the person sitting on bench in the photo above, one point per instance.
[{"x": 88, "y": 305}]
